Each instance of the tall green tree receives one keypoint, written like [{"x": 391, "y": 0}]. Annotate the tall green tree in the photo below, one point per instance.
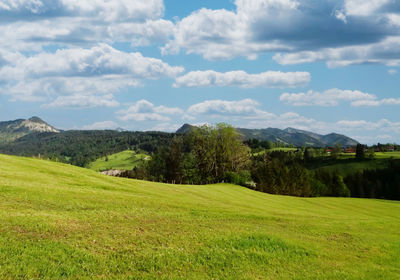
[{"x": 360, "y": 151}]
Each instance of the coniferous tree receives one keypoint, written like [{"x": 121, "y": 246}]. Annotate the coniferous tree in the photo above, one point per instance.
[{"x": 360, "y": 151}]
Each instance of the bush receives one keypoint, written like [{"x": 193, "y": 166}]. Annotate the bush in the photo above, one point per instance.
[
  {"x": 241, "y": 178},
  {"x": 318, "y": 188}
]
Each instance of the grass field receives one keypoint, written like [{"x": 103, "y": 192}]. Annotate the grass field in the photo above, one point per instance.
[
  {"x": 64, "y": 222},
  {"x": 346, "y": 164},
  {"x": 349, "y": 166},
  {"x": 125, "y": 160},
  {"x": 282, "y": 149},
  {"x": 387, "y": 154},
  {"x": 275, "y": 149}
]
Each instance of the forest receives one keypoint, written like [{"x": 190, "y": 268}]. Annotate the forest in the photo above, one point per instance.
[
  {"x": 215, "y": 154},
  {"x": 82, "y": 147}
]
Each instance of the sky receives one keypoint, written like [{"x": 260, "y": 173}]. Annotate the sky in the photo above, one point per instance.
[{"x": 324, "y": 66}]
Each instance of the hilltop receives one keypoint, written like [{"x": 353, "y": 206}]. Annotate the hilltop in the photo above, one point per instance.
[
  {"x": 12, "y": 130},
  {"x": 60, "y": 221},
  {"x": 289, "y": 136}
]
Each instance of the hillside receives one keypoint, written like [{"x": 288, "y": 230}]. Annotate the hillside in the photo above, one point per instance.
[
  {"x": 12, "y": 130},
  {"x": 59, "y": 221},
  {"x": 81, "y": 147},
  {"x": 125, "y": 160},
  {"x": 289, "y": 136}
]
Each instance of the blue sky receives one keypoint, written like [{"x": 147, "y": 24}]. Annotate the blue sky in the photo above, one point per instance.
[{"x": 325, "y": 66}]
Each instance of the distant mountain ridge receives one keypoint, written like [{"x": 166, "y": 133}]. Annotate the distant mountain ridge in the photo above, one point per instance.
[
  {"x": 12, "y": 130},
  {"x": 16, "y": 129},
  {"x": 290, "y": 136}
]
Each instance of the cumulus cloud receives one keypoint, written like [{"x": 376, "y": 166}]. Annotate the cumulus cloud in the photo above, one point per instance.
[
  {"x": 341, "y": 32},
  {"x": 385, "y": 52},
  {"x": 382, "y": 125},
  {"x": 392, "y": 71},
  {"x": 115, "y": 10},
  {"x": 248, "y": 114},
  {"x": 333, "y": 97},
  {"x": 144, "y": 110},
  {"x": 99, "y": 60},
  {"x": 365, "y": 8},
  {"x": 327, "y": 98},
  {"x": 374, "y": 103},
  {"x": 79, "y": 77},
  {"x": 83, "y": 101},
  {"x": 32, "y": 24},
  {"x": 244, "y": 108},
  {"x": 242, "y": 79}
]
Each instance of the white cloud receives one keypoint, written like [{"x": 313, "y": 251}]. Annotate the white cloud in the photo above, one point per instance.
[
  {"x": 392, "y": 71},
  {"x": 245, "y": 107},
  {"x": 115, "y": 10},
  {"x": 364, "y": 8},
  {"x": 166, "y": 127},
  {"x": 32, "y": 24},
  {"x": 247, "y": 114},
  {"x": 144, "y": 110},
  {"x": 96, "y": 61},
  {"x": 385, "y": 52},
  {"x": 79, "y": 77},
  {"x": 333, "y": 97},
  {"x": 83, "y": 101},
  {"x": 299, "y": 30},
  {"x": 374, "y": 103},
  {"x": 101, "y": 125},
  {"x": 243, "y": 79},
  {"x": 380, "y": 126},
  {"x": 327, "y": 98}
]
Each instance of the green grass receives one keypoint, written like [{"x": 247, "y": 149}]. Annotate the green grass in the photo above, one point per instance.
[
  {"x": 63, "y": 222},
  {"x": 387, "y": 154},
  {"x": 282, "y": 149},
  {"x": 275, "y": 149},
  {"x": 349, "y": 166},
  {"x": 346, "y": 164},
  {"x": 125, "y": 160}
]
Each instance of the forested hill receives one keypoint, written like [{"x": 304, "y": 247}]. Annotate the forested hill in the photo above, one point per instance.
[
  {"x": 34, "y": 137},
  {"x": 289, "y": 136},
  {"x": 11, "y": 130},
  {"x": 81, "y": 147}
]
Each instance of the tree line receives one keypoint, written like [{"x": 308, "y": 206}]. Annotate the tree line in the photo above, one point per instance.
[{"x": 83, "y": 147}]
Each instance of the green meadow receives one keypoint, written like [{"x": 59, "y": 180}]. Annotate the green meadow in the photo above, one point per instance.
[
  {"x": 347, "y": 164},
  {"x": 125, "y": 160},
  {"x": 64, "y": 222}
]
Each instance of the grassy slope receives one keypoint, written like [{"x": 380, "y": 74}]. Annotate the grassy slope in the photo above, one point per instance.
[
  {"x": 125, "y": 160},
  {"x": 62, "y": 221}
]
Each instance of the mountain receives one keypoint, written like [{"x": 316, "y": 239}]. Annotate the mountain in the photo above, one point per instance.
[
  {"x": 12, "y": 130},
  {"x": 186, "y": 128},
  {"x": 290, "y": 136}
]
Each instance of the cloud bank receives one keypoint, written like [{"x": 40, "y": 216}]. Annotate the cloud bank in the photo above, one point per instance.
[
  {"x": 270, "y": 79},
  {"x": 333, "y": 97},
  {"x": 340, "y": 32},
  {"x": 79, "y": 77}
]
